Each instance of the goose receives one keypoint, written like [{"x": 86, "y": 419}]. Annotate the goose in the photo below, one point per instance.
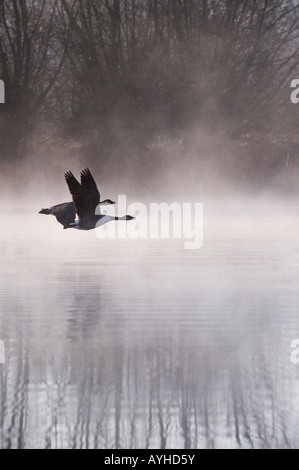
[
  {"x": 65, "y": 212},
  {"x": 86, "y": 198}
]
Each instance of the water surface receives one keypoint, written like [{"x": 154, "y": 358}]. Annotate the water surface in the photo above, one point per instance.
[{"x": 142, "y": 344}]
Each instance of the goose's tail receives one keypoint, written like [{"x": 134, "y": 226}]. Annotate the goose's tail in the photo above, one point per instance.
[{"x": 45, "y": 211}]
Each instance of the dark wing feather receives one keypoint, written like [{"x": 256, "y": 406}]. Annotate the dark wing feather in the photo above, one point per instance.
[
  {"x": 85, "y": 195},
  {"x": 89, "y": 185},
  {"x": 65, "y": 213},
  {"x": 76, "y": 192}
]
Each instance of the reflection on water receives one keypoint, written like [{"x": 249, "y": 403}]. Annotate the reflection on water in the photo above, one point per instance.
[{"x": 141, "y": 344}]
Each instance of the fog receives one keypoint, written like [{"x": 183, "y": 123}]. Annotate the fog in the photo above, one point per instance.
[
  {"x": 133, "y": 335},
  {"x": 179, "y": 100},
  {"x": 121, "y": 343}
]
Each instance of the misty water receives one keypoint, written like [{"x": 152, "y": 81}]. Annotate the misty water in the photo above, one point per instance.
[{"x": 144, "y": 344}]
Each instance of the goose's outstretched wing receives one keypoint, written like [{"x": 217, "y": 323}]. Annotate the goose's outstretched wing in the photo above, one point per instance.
[
  {"x": 89, "y": 185},
  {"x": 85, "y": 195}
]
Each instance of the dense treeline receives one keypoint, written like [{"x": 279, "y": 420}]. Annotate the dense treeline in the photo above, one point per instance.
[{"x": 127, "y": 77}]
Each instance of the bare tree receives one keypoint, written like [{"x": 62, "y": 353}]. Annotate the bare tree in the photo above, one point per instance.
[
  {"x": 119, "y": 76},
  {"x": 30, "y": 62},
  {"x": 147, "y": 69}
]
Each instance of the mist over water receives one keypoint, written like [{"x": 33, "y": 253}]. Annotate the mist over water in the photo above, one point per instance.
[
  {"x": 142, "y": 344},
  {"x": 139, "y": 343}
]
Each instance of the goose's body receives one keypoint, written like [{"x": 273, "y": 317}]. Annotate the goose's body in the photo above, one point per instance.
[
  {"x": 97, "y": 221},
  {"x": 86, "y": 198},
  {"x": 65, "y": 212}
]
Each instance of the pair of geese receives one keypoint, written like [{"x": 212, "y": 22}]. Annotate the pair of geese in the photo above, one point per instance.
[{"x": 86, "y": 198}]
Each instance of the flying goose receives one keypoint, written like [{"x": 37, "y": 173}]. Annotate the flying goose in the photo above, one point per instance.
[
  {"x": 86, "y": 198},
  {"x": 65, "y": 212}
]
